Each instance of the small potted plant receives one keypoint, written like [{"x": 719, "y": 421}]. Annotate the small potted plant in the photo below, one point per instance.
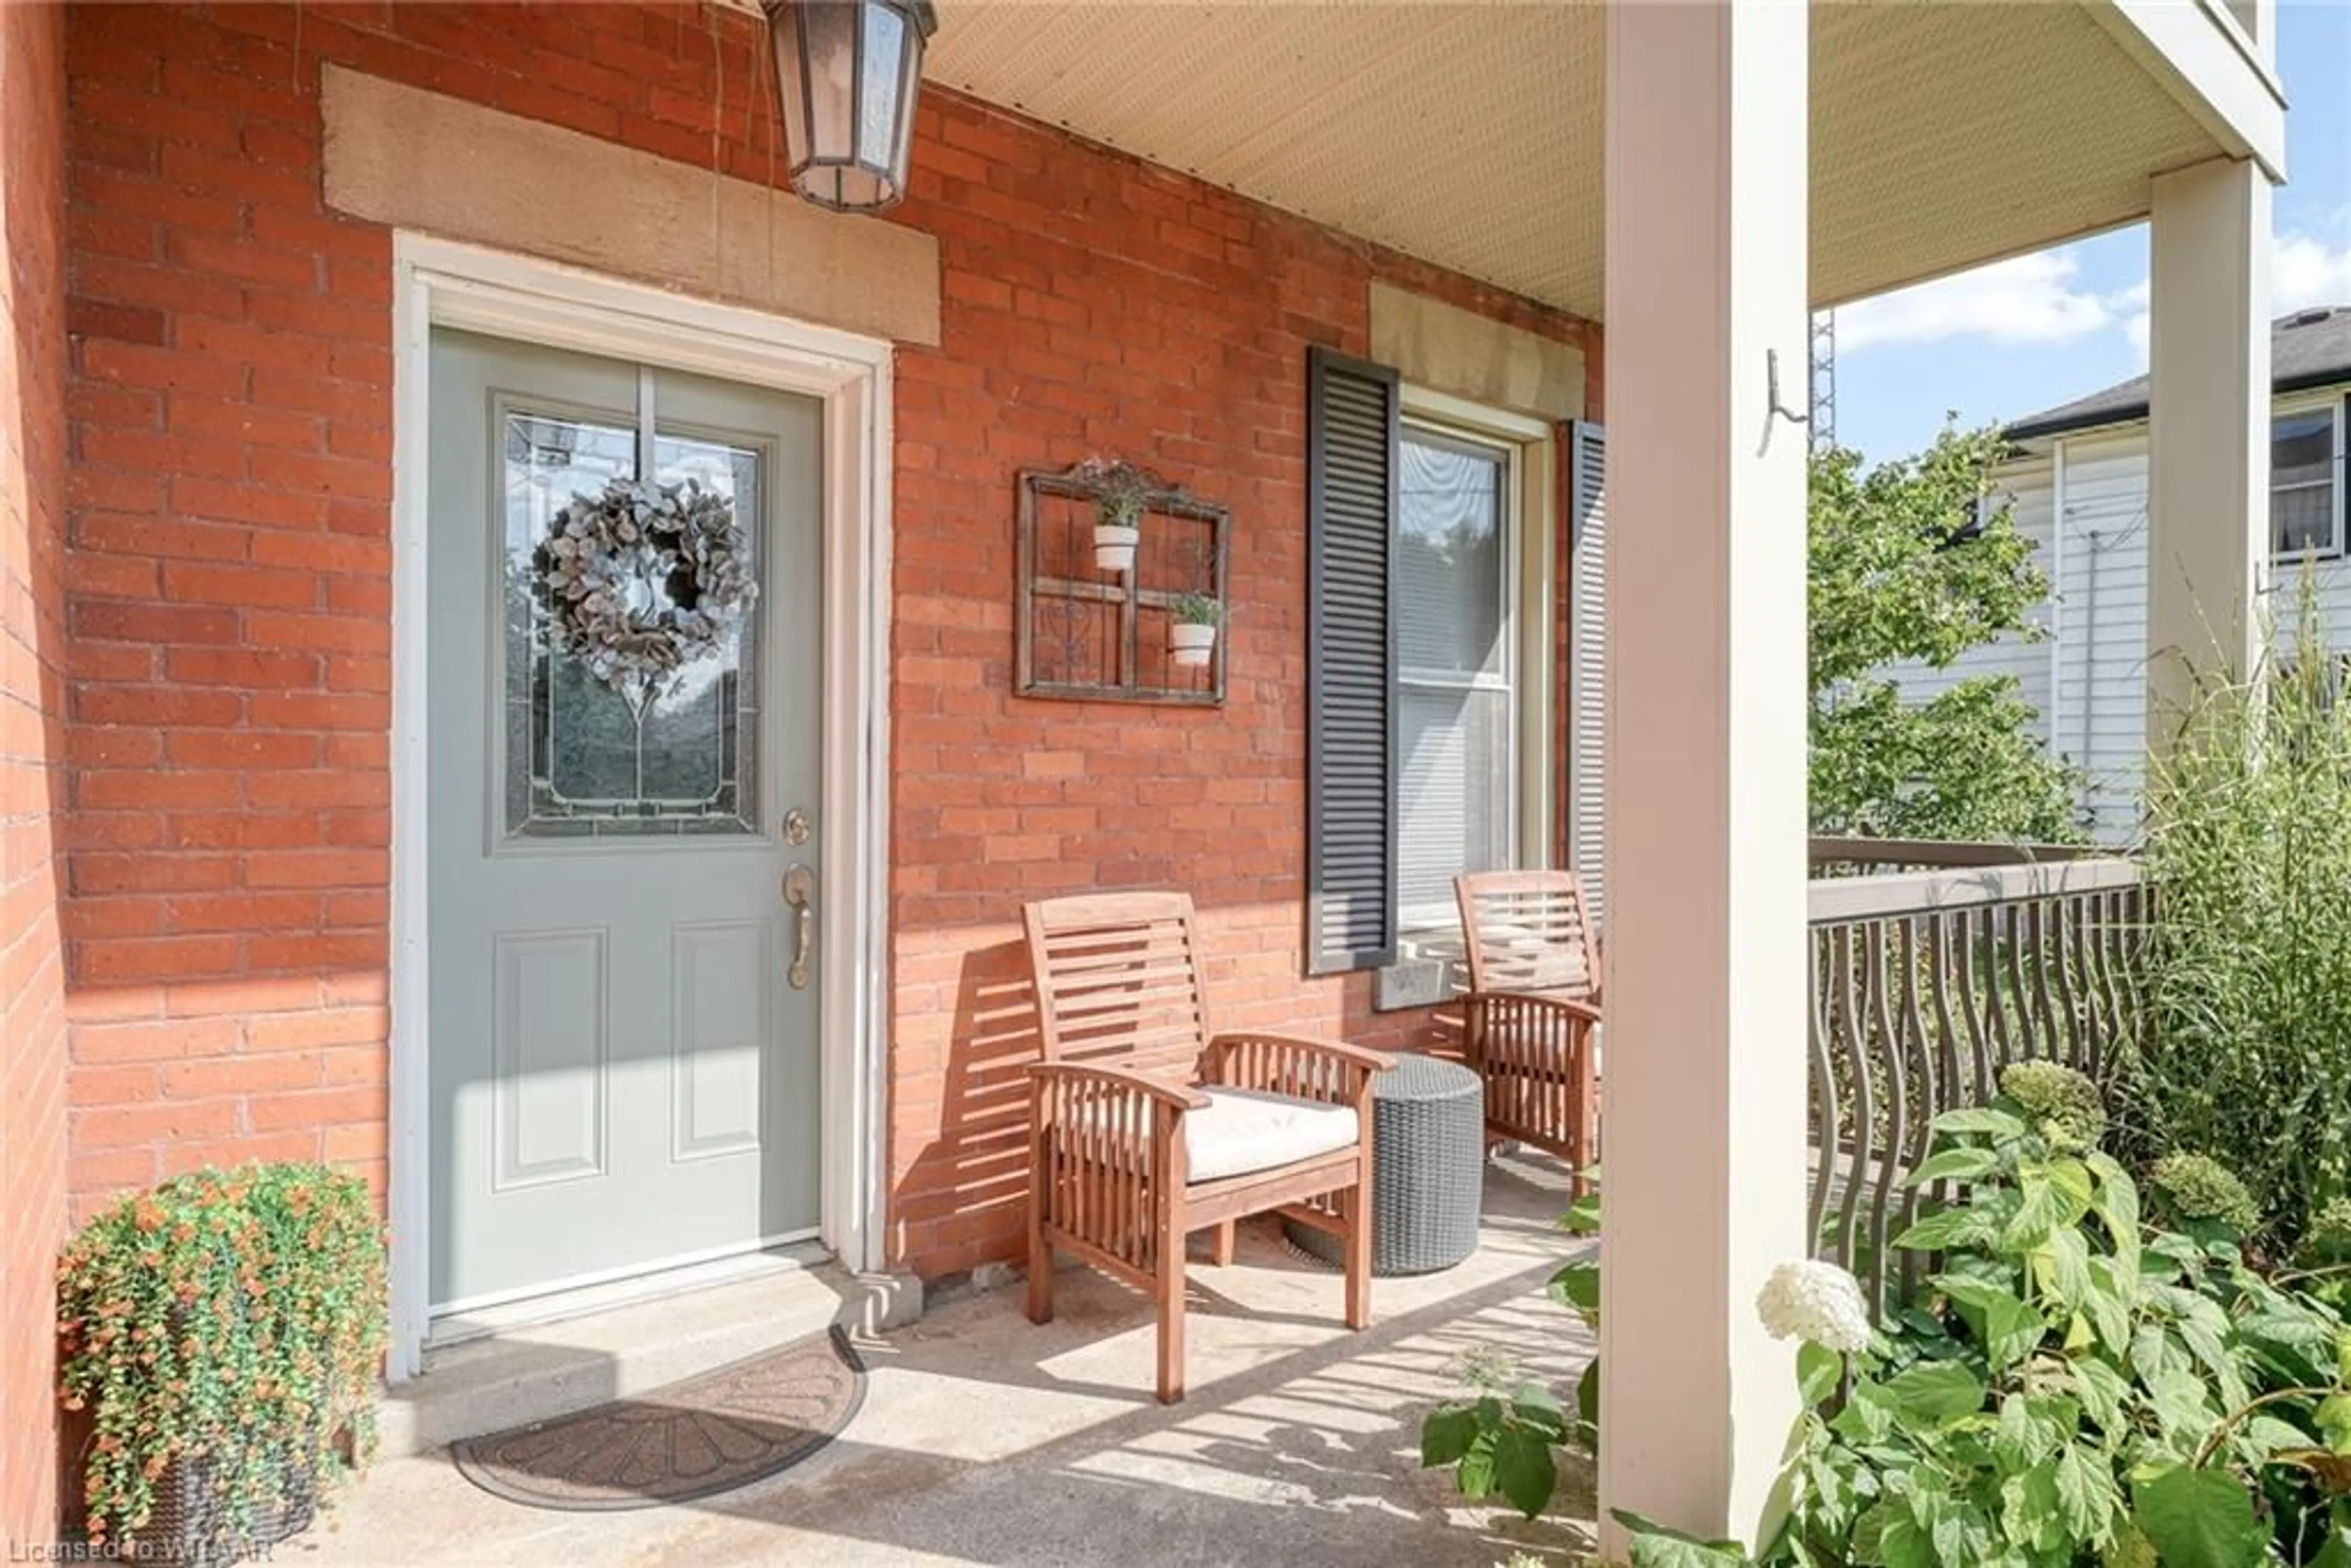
[
  {"x": 1121, "y": 491},
  {"x": 1191, "y": 631},
  {"x": 223, "y": 1333}
]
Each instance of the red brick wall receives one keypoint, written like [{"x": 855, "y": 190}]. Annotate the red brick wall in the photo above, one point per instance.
[
  {"x": 230, "y": 587},
  {"x": 229, "y": 602},
  {"x": 1097, "y": 304},
  {"x": 32, "y": 640}
]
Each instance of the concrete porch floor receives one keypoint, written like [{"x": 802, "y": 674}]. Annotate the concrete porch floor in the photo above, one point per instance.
[{"x": 987, "y": 1441}]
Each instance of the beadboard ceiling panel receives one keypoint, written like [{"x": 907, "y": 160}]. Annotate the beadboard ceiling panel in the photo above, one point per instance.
[{"x": 1470, "y": 134}]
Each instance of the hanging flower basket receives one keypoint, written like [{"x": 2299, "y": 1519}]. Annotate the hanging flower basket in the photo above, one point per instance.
[
  {"x": 1192, "y": 646},
  {"x": 1114, "y": 547},
  {"x": 644, "y": 580},
  {"x": 1121, "y": 491},
  {"x": 197, "y": 1519},
  {"x": 220, "y": 1336},
  {"x": 1192, "y": 634}
]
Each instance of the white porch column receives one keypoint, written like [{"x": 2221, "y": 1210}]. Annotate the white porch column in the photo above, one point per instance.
[
  {"x": 2209, "y": 409},
  {"x": 1705, "y": 1075}
]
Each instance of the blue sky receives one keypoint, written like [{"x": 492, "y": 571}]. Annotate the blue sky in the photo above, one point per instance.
[{"x": 2017, "y": 337}]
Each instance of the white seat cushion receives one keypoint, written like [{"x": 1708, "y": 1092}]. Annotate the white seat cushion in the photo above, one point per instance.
[{"x": 1246, "y": 1130}]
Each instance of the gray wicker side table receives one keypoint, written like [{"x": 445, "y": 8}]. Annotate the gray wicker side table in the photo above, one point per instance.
[{"x": 1428, "y": 1169}]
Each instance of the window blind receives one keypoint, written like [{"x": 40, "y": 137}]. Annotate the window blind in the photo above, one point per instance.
[{"x": 1455, "y": 697}]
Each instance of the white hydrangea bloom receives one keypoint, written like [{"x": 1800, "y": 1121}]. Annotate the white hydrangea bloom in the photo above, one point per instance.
[{"x": 1816, "y": 1302}]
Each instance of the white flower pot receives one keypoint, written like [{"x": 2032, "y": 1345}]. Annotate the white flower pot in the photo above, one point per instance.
[
  {"x": 1114, "y": 547},
  {"x": 1190, "y": 645}
]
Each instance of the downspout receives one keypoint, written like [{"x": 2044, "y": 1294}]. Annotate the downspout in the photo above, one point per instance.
[
  {"x": 2057, "y": 596},
  {"x": 2090, "y": 667}
]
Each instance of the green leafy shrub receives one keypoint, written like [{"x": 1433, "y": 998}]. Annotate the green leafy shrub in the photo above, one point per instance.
[
  {"x": 2193, "y": 1189},
  {"x": 2322, "y": 1267},
  {"x": 231, "y": 1317},
  {"x": 2328, "y": 1243},
  {"x": 1500, "y": 1439},
  {"x": 2248, "y": 1048},
  {"x": 2073, "y": 1387},
  {"x": 2064, "y": 1105},
  {"x": 1499, "y": 1442}
]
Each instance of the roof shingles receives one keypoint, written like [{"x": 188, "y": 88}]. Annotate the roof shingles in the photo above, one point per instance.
[{"x": 2308, "y": 349}]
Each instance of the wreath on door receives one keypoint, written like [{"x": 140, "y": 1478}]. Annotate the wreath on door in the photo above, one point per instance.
[{"x": 645, "y": 579}]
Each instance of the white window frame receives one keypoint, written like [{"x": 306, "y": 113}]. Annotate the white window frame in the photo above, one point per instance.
[
  {"x": 1529, "y": 447},
  {"x": 2330, "y": 404}
]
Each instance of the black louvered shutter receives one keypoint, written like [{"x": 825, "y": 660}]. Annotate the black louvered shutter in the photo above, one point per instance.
[
  {"x": 1587, "y": 659},
  {"x": 1351, "y": 498}
]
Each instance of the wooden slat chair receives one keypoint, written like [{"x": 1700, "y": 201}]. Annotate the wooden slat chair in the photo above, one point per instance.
[
  {"x": 1146, "y": 1125},
  {"x": 1532, "y": 1008}
]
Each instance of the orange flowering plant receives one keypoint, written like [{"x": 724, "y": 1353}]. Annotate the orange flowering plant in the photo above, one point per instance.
[{"x": 234, "y": 1319}]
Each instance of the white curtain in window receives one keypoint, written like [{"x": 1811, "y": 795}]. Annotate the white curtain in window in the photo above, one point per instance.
[
  {"x": 1450, "y": 561},
  {"x": 2302, "y": 483}
]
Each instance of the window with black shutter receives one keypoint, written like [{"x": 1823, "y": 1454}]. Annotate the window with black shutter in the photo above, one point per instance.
[
  {"x": 1587, "y": 657},
  {"x": 1351, "y": 437},
  {"x": 1434, "y": 674}
]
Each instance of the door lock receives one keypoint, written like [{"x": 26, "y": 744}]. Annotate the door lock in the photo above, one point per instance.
[
  {"x": 796, "y": 826},
  {"x": 799, "y": 883}
]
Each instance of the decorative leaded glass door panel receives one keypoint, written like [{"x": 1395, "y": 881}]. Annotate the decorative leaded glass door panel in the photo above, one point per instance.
[{"x": 625, "y": 657}]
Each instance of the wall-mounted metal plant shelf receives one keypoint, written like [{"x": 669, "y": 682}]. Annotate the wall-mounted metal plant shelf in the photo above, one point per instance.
[{"x": 1086, "y": 630}]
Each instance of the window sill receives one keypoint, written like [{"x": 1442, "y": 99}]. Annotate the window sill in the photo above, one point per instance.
[{"x": 1426, "y": 973}]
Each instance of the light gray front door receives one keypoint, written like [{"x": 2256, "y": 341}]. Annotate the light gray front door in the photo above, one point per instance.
[{"x": 624, "y": 1074}]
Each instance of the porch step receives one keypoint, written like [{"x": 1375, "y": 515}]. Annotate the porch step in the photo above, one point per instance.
[{"x": 536, "y": 1372}]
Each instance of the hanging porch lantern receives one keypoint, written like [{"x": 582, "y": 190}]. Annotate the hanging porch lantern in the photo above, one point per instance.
[{"x": 849, "y": 70}]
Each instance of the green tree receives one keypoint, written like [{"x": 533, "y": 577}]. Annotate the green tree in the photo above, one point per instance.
[{"x": 1910, "y": 563}]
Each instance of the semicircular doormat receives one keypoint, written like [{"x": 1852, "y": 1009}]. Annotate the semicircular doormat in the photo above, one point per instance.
[{"x": 706, "y": 1434}]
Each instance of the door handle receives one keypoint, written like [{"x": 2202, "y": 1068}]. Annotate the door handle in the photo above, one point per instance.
[{"x": 799, "y": 883}]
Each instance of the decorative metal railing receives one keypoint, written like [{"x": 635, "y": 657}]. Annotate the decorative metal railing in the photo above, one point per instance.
[{"x": 1925, "y": 983}]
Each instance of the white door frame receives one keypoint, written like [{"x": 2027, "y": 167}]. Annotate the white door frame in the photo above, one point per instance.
[{"x": 441, "y": 283}]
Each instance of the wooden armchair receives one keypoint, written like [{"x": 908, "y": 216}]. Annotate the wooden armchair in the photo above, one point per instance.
[
  {"x": 1532, "y": 1008},
  {"x": 1146, "y": 1126}
]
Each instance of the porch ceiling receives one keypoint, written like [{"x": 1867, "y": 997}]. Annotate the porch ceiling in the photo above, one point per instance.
[{"x": 1470, "y": 134}]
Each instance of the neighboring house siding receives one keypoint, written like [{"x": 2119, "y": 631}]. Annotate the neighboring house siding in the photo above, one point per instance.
[
  {"x": 2098, "y": 721},
  {"x": 231, "y": 577},
  {"x": 2098, "y": 564},
  {"x": 2084, "y": 506},
  {"x": 2027, "y": 488},
  {"x": 33, "y": 1067},
  {"x": 2332, "y": 580}
]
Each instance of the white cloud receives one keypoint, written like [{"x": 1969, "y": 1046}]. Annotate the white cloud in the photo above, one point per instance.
[
  {"x": 2025, "y": 299},
  {"x": 2304, "y": 271},
  {"x": 2039, "y": 298},
  {"x": 2133, "y": 300}
]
